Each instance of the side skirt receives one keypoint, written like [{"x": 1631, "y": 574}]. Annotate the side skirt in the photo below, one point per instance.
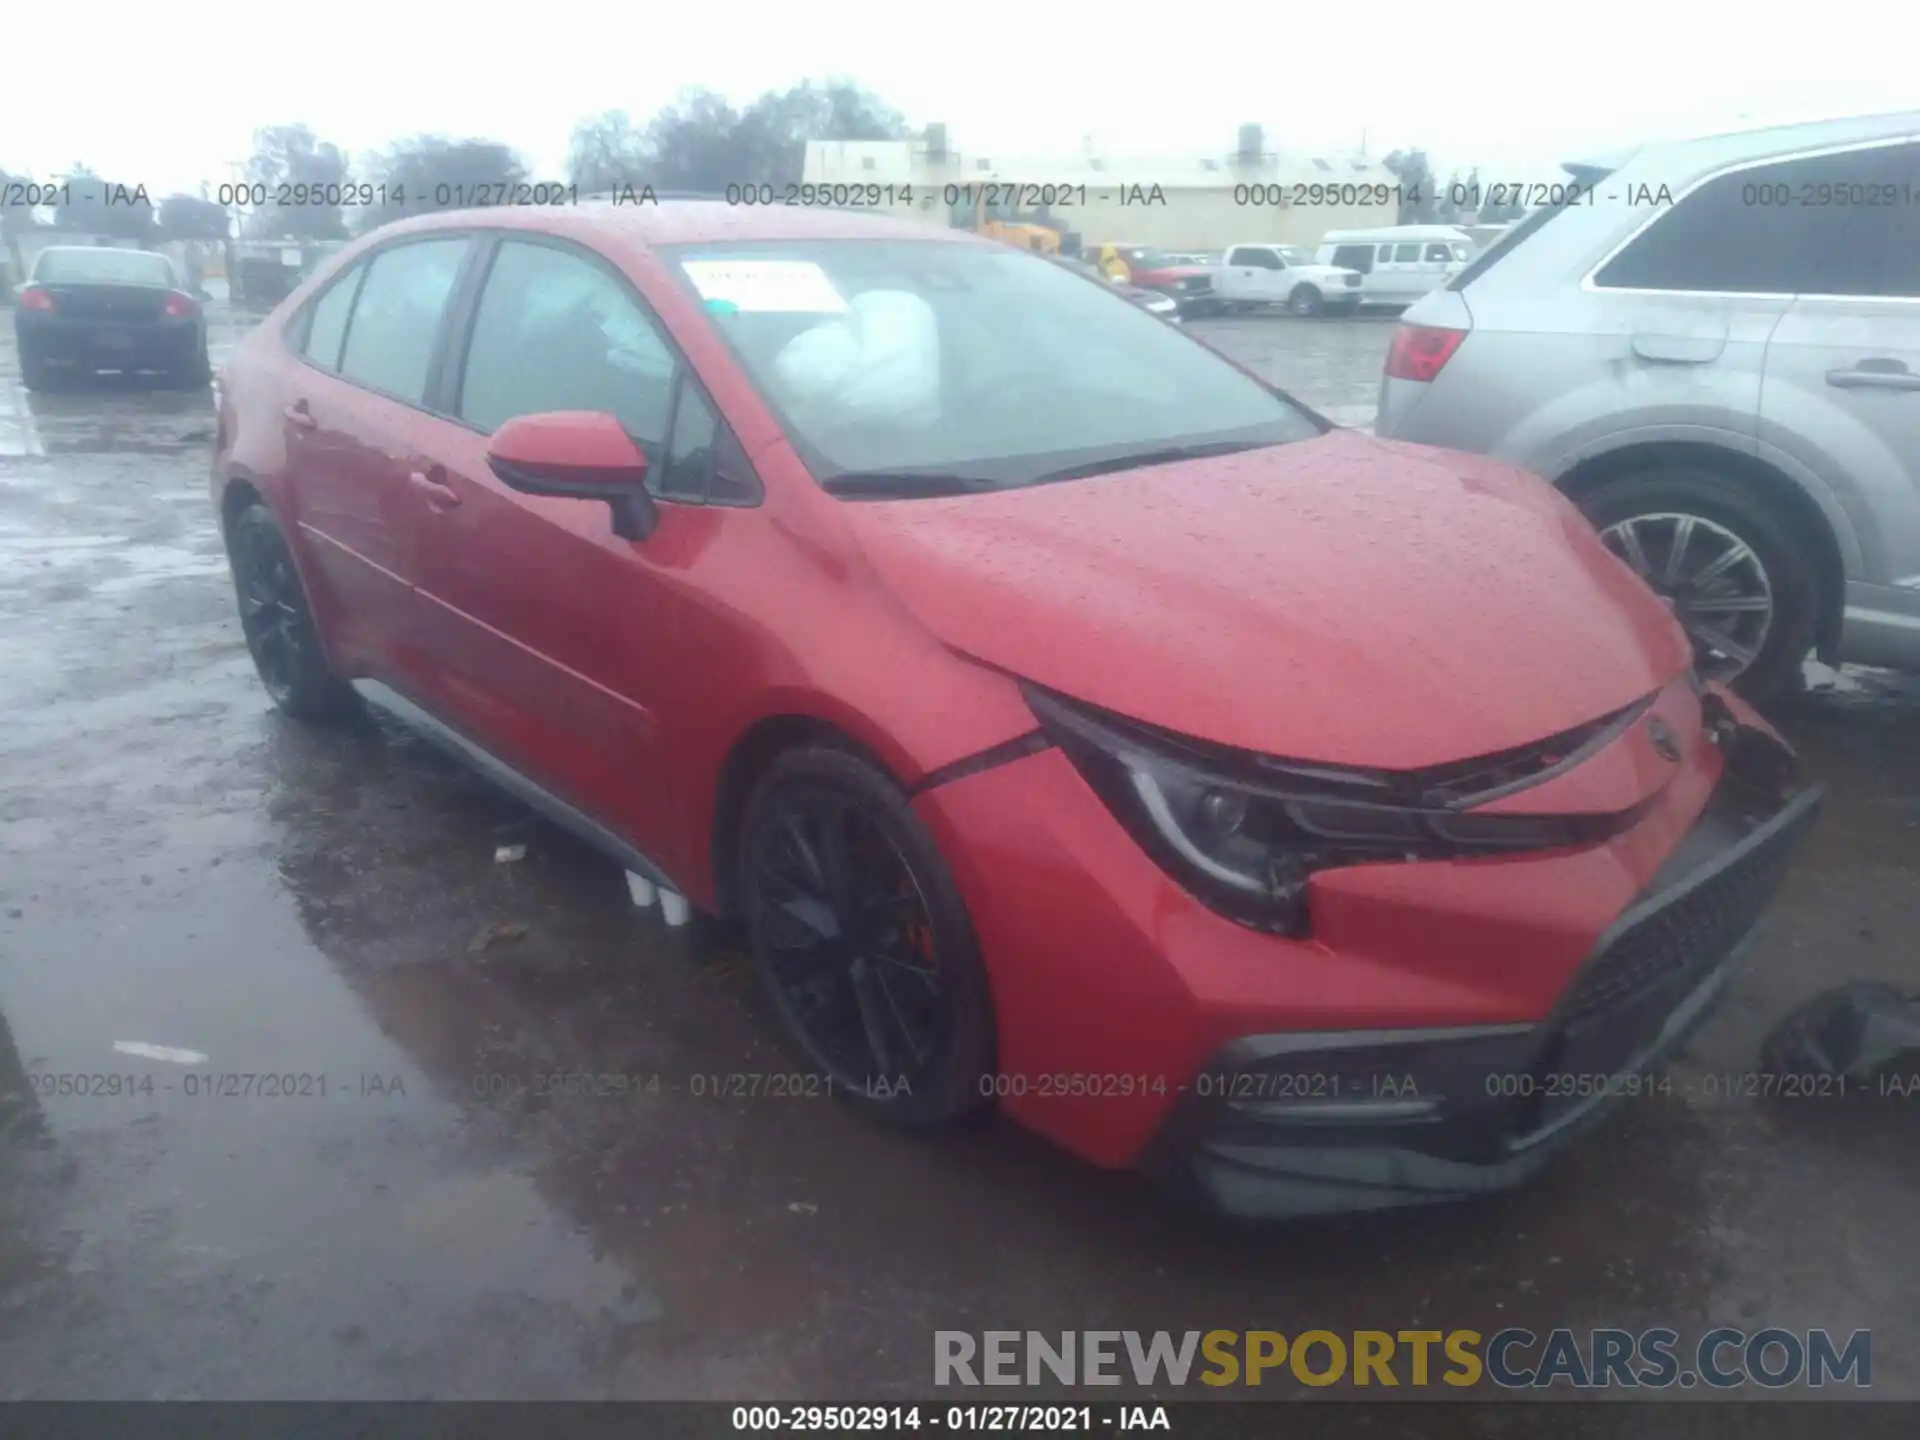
[{"x": 567, "y": 816}]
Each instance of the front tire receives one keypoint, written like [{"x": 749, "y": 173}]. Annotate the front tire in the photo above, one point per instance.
[
  {"x": 278, "y": 622},
  {"x": 1741, "y": 584},
  {"x": 862, "y": 941},
  {"x": 1306, "y": 300}
]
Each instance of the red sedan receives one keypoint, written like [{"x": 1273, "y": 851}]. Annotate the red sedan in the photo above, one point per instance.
[{"x": 1070, "y": 720}]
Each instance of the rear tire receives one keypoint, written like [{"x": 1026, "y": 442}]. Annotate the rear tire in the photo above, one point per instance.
[
  {"x": 859, "y": 934},
  {"x": 35, "y": 373},
  {"x": 278, "y": 622},
  {"x": 1653, "y": 505},
  {"x": 1306, "y": 300}
]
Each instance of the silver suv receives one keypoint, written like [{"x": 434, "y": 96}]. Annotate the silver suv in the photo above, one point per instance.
[{"x": 1713, "y": 347}]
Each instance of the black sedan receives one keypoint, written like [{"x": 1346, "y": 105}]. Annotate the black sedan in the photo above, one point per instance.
[
  {"x": 88, "y": 308},
  {"x": 1152, "y": 301}
]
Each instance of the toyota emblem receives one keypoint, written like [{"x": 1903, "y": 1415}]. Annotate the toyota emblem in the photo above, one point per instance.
[{"x": 1665, "y": 743}]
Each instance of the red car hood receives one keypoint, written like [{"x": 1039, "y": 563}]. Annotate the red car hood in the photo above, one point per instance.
[
  {"x": 1344, "y": 599},
  {"x": 1168, "y": 272}
]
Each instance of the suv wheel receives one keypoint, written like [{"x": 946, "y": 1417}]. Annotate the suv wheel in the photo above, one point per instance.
[
  {"x": 278, "y": 623},
  {"x": 1728, "y": 564},
  {"x": 1305, "y": 300},
  {"x": 862, "y": 941}
]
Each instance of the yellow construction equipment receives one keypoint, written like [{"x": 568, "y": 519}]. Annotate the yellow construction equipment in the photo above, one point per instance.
[{"x": 999, "y": 219}]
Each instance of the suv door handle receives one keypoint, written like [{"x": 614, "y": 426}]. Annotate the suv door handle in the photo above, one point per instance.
[
  {"x": 1877, "y": 373},
  {"x": 300, "y": 415},
  {"x": 439, "y": 496}
]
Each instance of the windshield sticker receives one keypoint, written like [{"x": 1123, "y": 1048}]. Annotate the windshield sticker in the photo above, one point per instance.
[{"x": 765, "y": 286}]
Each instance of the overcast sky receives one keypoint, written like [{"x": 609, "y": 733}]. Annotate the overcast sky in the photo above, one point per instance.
[{"x": 165, "y": 95}]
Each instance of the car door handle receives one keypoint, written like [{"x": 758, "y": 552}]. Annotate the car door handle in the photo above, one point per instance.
[
  {"x": 439, "y": 496},
  {"x": 298, "y": 414},
  {"x": 1879, "y": 373}
]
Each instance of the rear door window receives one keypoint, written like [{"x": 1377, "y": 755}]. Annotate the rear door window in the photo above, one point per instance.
[
  {"x": 1903, "y": 232},
  {"x": 395, "y": 325},
  {"x": 1406, "y": 254}
]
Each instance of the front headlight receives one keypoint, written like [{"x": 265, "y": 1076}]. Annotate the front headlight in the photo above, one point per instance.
[{"x": 1243, "y": 833}]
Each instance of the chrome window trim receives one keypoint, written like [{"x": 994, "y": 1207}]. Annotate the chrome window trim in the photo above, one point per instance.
[{"x": 1819, "y": 153}]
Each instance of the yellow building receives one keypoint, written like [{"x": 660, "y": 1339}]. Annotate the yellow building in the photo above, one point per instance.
[{"x": 1190, "y": 202}]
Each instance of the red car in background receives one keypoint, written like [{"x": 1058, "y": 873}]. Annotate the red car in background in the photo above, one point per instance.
[
  {"x": 1151, "y": 269},
  {"x": 1070, "y": 720}
]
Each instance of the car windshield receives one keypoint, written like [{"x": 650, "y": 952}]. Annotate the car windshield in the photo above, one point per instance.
[
  {"x": 968, "y": 366},
  {"x": 1140, "y": 259},
  {"x": 102, "y": 267},
  {"x": 1462, "y": 252},
  {"x": 1293, "y": 254}
]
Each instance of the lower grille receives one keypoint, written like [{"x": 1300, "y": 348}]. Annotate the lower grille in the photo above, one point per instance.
[
  {"x": 1194, "y": 283},
  {"x": 1684, "y": 931},
  {"x": 1353, "y": 282}
]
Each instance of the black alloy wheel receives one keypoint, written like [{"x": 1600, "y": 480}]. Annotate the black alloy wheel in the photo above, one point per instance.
[
  {"x": 277, "y": 622},
  {"x": 862, "y": 941}
]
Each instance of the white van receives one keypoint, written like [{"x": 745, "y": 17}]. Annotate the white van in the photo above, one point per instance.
[{"x": 1398, "y": 263}]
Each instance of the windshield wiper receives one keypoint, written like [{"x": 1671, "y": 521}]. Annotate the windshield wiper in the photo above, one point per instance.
[
  {"x": 1141, "y": 459},
  {"x": 904, "y": 484}
]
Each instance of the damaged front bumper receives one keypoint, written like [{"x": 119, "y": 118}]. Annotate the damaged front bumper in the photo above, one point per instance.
[{"x": 1316, "y": 1122}]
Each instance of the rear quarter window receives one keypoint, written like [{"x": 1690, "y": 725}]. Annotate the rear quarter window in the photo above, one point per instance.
[{"x": 325, "y": 323}]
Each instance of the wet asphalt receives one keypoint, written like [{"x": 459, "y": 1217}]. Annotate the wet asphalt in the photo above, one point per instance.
[{"x": 181, "y": 867}]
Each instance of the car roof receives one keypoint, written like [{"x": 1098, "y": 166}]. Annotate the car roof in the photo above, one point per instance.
[{"x": 685, "y": 222}]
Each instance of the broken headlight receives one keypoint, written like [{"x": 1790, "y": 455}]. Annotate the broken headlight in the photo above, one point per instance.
[{"x": 1243, "y": 832}]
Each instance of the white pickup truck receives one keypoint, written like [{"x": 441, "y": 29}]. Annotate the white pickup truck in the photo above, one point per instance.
[{"x": 1263, "y": 274}]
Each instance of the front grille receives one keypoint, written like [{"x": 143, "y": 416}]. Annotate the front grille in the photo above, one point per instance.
[
  {"x": 1685, "y": 931},
  {"x": 1195, "y": 283},
  {"x": 1352, "y": 281}
]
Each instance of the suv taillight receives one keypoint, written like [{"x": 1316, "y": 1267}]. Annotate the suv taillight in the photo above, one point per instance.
[
  {"x": 33, "y": 298},
  {"x": 1419, "y": 351},
  {"x": 179, "y": 306}
]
